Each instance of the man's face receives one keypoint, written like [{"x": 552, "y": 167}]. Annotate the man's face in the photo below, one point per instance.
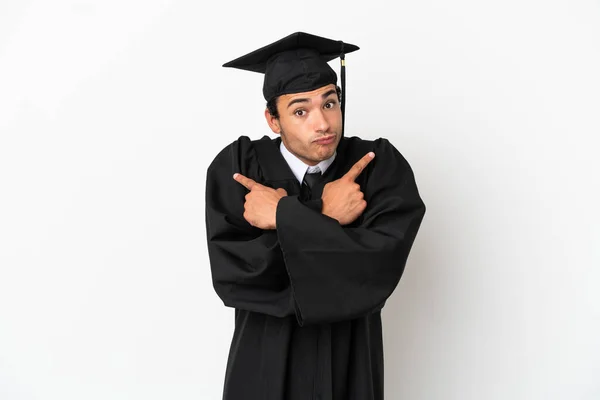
[{"x": 310, "y": 123}]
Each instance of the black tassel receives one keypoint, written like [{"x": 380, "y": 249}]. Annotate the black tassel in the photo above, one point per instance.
[{"x": 343, "y": 100}]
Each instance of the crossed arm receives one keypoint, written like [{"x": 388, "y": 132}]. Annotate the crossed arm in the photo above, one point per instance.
[
  {"x": 277, "y": 256},
  {"x": 342, "y": 198}
]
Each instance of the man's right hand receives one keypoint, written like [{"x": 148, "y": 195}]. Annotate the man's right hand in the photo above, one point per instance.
[{"x": 342, "y": 198}]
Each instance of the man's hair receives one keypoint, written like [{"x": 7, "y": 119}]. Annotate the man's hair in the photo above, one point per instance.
[{"x": 272, "y": 104}]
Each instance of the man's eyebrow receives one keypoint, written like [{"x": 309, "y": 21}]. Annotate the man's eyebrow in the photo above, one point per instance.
[
  {"x": 329, "y": 93},
  {"x": 297, "y": 101},
  {"x": 303, "y": 100}
]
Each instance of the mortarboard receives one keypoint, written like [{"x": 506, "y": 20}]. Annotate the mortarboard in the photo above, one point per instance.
[{"x": 297, "y": 63}]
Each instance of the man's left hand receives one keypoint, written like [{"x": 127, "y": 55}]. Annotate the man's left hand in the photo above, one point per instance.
[{"x": 260, "y": 208}]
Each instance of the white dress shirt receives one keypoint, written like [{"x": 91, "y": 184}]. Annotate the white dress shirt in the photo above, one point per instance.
[{"x": 299, "y": 168}]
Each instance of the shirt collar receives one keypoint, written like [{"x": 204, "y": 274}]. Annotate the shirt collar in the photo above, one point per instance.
[{"x": 298, "y": 166}]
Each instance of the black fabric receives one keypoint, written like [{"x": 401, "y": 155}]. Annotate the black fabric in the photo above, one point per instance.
[
  {"x": 344, "y": 94},
  {"x": 309, "y": 181},
  {"x": 308, "y": 295},
  {"x": 294, "y": 64}
]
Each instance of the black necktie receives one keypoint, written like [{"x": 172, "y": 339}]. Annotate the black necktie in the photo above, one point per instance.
[{"x": 310, "y": 179}]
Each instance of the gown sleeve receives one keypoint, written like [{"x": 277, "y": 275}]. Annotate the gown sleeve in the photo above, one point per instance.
[
  {"x": 345, "y": 272},
  {"x": 247, "y": 266}
]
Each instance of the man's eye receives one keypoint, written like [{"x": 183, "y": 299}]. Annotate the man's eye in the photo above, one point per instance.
[
  {"x": 331, "y": 104},
  {"x": 300, "y": 113}
]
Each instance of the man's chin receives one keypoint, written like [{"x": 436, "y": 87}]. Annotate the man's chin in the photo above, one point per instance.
[{"x": 325, "y": 154}]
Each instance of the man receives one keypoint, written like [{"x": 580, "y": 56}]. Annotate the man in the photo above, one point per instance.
[{"x": 308, "y": 235}]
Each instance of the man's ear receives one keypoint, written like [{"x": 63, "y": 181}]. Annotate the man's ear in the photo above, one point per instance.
[{"x": 273, "y": 122}]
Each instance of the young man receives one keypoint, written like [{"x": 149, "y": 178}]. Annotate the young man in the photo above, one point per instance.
[{"x": 308, "y": 235}]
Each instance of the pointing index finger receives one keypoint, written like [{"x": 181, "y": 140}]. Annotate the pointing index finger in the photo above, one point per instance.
[
  {"x": 246, "y": 182},
  {"x": 359, "y": 166}
]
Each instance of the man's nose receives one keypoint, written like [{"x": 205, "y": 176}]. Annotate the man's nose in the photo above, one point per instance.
[{"x": 320, "y": 123}]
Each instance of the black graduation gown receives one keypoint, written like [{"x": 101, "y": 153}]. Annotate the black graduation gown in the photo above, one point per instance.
[{"x": 308, "y": 295}]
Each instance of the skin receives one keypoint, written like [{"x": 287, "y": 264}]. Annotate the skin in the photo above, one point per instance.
[{"x": 304, "y": 118}]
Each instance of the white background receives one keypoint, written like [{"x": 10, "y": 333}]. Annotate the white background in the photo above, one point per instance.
[{"x": 111, "y": 111}]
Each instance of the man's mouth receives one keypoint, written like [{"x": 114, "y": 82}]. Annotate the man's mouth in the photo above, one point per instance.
[{"x": 326, "y": 140}]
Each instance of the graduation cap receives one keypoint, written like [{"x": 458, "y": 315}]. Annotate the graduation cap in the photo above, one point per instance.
[{"x": 297, "y": 63}]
